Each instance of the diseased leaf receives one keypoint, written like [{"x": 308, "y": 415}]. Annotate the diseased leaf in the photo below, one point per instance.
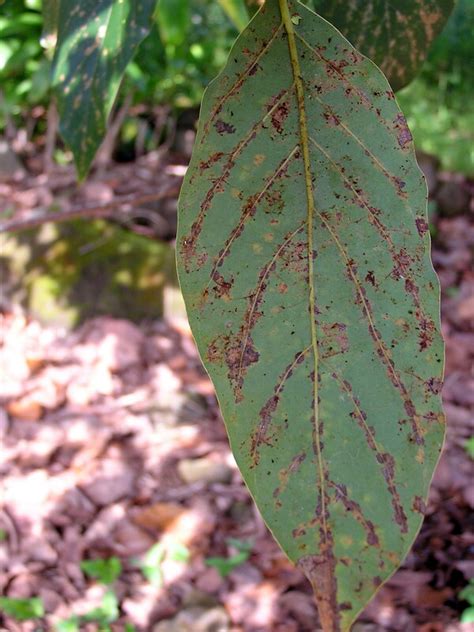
[
  {"x": 96, "y": 40},
  {"x": 395, "y": 35},
  {"x": 303, "y": 255}
]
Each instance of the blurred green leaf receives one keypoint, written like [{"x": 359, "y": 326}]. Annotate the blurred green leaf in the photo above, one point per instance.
[
  {"x": 151, "y": 564},
  {"x": 68, "y": 625},
  {"x": 237, "y": 12},
  {"x": 22, "y": 609},
  {"x": 225, "y": 565},
  {"x": 173, "y": 17},
  {"x": 107, "y": 612},
  {"x": 106, "y": 571},
  {"x": 469, "y": 446},
  {"x": 396, "y": 36}
]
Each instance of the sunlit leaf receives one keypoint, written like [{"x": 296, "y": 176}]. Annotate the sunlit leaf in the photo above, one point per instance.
[
  {"x": 395, "y": 35},
  {"x": 303, "y": 254},
  {"x": 237, "y": 12},
  {"x": 96, "y": 40}
]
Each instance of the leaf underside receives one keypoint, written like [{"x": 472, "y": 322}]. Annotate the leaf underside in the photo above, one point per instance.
[
  {"x": 395, "y": 35},
  {"x": 96, "y": 40},
  {"x": 303, "y": 256}
]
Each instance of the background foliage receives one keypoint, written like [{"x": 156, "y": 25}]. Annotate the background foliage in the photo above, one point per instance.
[{"x": 187, "y": 46}]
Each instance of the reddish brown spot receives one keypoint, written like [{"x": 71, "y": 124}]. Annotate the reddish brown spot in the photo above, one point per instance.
[
  {"x": 222, "y": 287},
  {"x": 421, "y": 226},
  {"x": 370, "y": 278},
  {"x": 402, "y": 264},
  {"x": 254, "y": 68},
  {"x": 267, "y": 411},
  {"x": 388, "y": 463},
  {"x": 331, "y": 119},
  {"x": 224, "y": 128},
  {"x": 298, "y": 532},
  {"x": 377, "y": 581},
  {"x": 419, "y": 505},
  {"x": 279, "y": 117},
  {"x": 356, "y": 511},
  {"x": 203, "y": 165},
  {"x": 283, "y": 288},
  {"x": 404, "y": 136},
  {"x": 335, "y": 340},
  {"x": 434, "y": 385}
]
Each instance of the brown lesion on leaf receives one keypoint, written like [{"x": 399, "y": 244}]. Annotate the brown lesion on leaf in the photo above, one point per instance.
[
  {"x": 285, "y": 473},
  {"x": 331, "y": 118},
  {"x": 421, "y": 226},
  {"x": 388, "y": 468},
  {"x": 228, "y": 349},
  {"x": 260, "y": 436},
  {"x": 250, "y": 208},
  {"x": 355, "y": 510},
  {"x": 334, "y": 340},
  {"x": 404, "y": 136},
  {"x": 381, "y": 349},
  {"x": 386, "y": 461},
  {"x": 419, "y": 505},
  {"x": 212, "y": 160},
  {"x": 249, "y": 70},
  {"x": 222, "y": 287},
  {"x": 189, "y": 242},
  {"x": 426, "y": 327},
  {"x": 222, "y": 127},
  {"x": 279, "y": 116}
]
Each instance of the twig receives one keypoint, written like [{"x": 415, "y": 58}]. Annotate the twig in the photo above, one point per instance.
[{"x": 104, "y": 210}]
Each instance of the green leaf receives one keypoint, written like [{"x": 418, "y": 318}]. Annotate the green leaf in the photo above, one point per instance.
[
  {"x": 68, "y": 625},
  {"x": 468, "y": 615},
  {"x": 106, "y": 571},
  {"x": 173, "y": 19},
  {"x": 22, "y": 609},
  {"x": 96, "y": 40},
  {"x": 467, "y": 593},
  {"x": 237, "y": 12},
  {"x": 303, "y": 255},
  {"x": 151, "y": 564},
  {"x": 107, "y": 612},
  {"x": 225, "y": 565},
  {"x": 395, "y": 35},
  {"x": 469, "y": 446}
]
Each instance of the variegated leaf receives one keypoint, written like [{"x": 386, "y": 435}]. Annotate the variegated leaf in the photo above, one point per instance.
[{"x": 96, "y": 40}]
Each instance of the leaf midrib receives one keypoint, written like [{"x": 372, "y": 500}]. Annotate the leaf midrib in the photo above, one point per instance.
[{"x": 311, "y": 211}]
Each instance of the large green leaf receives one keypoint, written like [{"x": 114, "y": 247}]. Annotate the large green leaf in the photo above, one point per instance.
[
  {"x": 395, "y": 35},
  {"x": 96, "y": 40},
  {"x": 303, "y": 254}
]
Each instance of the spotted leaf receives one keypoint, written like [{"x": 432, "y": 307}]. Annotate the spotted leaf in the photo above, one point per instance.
[
  {"x": 303, "y": 256},
  {"x": 395, "y": 35},
  {"x": 96, "y": 40}
]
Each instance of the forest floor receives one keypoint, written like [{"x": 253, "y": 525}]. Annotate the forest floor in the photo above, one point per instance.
[{"x": 113, "y": 447}]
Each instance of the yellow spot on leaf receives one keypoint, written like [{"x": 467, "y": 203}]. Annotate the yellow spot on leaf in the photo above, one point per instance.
[{"x": 259, "y": 158}]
